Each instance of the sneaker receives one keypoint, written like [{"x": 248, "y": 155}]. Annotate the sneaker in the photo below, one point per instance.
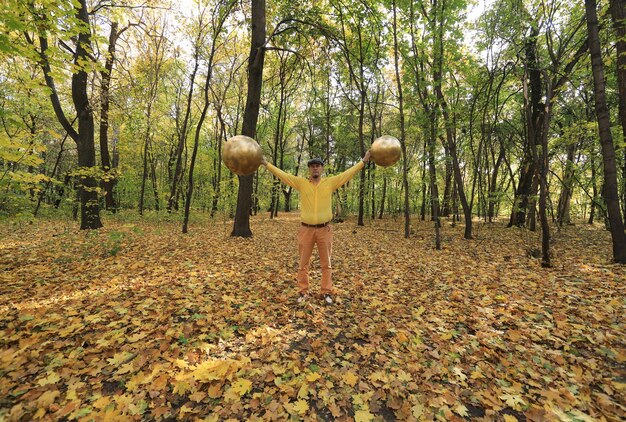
[
  {"x": 302, "y": 298},
  {"x": 328, "y": 299}
]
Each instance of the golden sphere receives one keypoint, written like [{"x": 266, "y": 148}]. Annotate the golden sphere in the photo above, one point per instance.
[
  {"x": 242, "y": 155},
  {"x": 385, "y": 151}
]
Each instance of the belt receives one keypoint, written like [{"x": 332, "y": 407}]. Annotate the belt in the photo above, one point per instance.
[{"x": 316, "y": 225}]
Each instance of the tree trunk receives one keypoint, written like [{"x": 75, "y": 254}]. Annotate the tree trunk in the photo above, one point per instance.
[
  {"x": 182, "y": 135},
  {"x": 532, "y": 106},
  {"x": 434, "y": 191},
  {"x": 447, "y": 186},
  {"x": 275, "y": 192},
  {"x": 372, "y": 191},
  {"x": 218, "y": 166},
  {"x": 618, "y": 13},
  {"x": 458, "y": 177},
  {"x": 594, "y": 185},
  {"x": 241, "y": 226},
  {"x": 84, "y": 137},
  {"x": 405, "y": 164},
  {"x": 424, "y": 187},
  {"x": 610, "y": 190},
  {"x": 52, "y": 175},
  {"x": 217, "y": 28},
  {"x": 563, "y": 206},
  {"x": 105, "y": 99},
  {"x": 543, "y": 187},
  {"x": 493, "y": 183},
  {"x": 89, "y": 207},
  {"x": 362, "y": 149},
  {"x": 155, "y": 187},
  {"x": 382, "y": 200}
]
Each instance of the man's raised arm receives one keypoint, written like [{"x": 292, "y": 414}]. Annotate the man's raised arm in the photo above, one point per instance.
[
  {"x": 288, "y": 179},
  {"x": 342, "y": 178}
]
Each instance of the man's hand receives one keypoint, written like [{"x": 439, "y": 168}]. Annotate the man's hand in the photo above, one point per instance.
[{"x": 366, "y": 157}]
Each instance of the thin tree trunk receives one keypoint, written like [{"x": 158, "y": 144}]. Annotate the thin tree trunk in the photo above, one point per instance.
[
  {"x": 182, "y": 135},
  {"x": 241, "y": 226},
  {"x": 610, "y": 190},
  {"x": 543, "y": 186},
  {"x": 434, "y": 191},
  {"x": 594, "y": 186},
  {"x": 196, "y": 141},
  {"x": 144, "y": 177},
  {"x": 362, "y": 148},
  {"x": 382, "y": 200},
  {"x": 618, "y": 14},
  {"x": 155, "y": 187},
  {"x": 447, "y": 186},
  {"x": 105, "y": 100},
  {"x": 458, "y": 177},
  {"x": 405, "y": 164},
  {"x": 275, "y": 192},
  {"x": 493, "y": 183},
  {"x": 52, "y": 175},
  {"x": 563, "y": 206}
]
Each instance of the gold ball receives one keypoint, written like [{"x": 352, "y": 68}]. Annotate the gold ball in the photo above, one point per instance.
[
  {"x": 242, "y": 155},
  {"x": 385, "y": 150}
]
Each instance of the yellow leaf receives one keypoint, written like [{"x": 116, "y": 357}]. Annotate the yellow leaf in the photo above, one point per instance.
[
  {"x": 47, "y": 398},
  {"x": 182, "y": 364},
  {"x": 350, "y": 378},
  {"x": 418, "y": 410},
  {"x": 303, "y": 392},
  {"x": 198, "y": 396},
  {"x": 620, "y": 386},
  {"x": 52, "y": 378},
  {"x": 40, "y": 413},
  {"x": 363, "y": 416},
  {"x": 509, "y": 418},
  {"x": 378, "y": 376},
  {"x": 136, "y": 337},
  {"x": 241, "y": 386},
  {"x": 300, "y": 407},
  {"x": 514, "y": 334},
  {"x": 313, "y": 376},
  {"x": 477, "y": 374},
  {"x": 181, "y": 387},
  {"x": 215, "y": 390},
  {"x": 125, "y": 369},
  {"x": 513, "y": 401},
  {"x": 184, "y": 410},
  {"x": 460, "y": 410},
  {"x": 123, "y": 401},
  {"x": 135, "y": 381},
  {"x": 402, "y": 338},
  {"x": 102, "y": 402},
  {"x": 404, "y": 377},
  {"x": 459, "y": 373},
  {"x": 213, "y": 370},
  {"x": 120, "y": 358}
]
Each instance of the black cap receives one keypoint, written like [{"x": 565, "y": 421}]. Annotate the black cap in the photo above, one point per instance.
[{"x": 315, "y": 161}]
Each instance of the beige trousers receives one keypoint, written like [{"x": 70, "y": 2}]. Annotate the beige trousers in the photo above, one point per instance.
[{"x": 308, "y": 237}]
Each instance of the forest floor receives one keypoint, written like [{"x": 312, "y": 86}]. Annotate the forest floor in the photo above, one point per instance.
[{"x": 137, "y": 321}]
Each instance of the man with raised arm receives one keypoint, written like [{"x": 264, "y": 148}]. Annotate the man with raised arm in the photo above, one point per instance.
[{"x": 316, "y": 214}]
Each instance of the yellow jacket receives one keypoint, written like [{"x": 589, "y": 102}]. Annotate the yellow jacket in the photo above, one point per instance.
[{"x": 315, "y": 200}]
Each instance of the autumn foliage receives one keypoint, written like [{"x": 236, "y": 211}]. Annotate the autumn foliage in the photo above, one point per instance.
[{"x": 139, "y": 322}]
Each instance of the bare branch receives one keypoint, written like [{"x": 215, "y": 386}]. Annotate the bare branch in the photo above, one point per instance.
[{"x": 145, "y": 5}]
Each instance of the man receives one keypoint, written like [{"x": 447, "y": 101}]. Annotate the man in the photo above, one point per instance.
[{"x": 316, "y": 214}]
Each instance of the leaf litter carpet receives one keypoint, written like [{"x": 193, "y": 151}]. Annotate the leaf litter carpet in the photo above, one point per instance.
[{"x": 140, "y": 322}]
